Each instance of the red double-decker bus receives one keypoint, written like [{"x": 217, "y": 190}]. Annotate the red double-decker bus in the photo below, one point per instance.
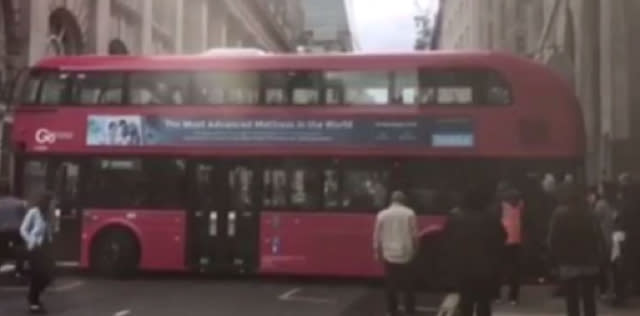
[{"x": 274, "y": 164}]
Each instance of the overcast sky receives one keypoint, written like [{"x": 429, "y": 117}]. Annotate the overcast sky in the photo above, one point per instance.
[{"x": 387, "y": 24}]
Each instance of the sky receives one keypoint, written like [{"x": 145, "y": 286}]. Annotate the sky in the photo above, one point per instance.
[{"x": 384, "y": 25}]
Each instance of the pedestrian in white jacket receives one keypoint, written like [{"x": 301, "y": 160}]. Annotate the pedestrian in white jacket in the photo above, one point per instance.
[{"x": 37, "y": 234}]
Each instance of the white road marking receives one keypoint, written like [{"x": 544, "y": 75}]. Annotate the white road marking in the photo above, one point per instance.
[
  {"x": 287, "y": 295},
  {"x": 67, "y": 264},
  {"x": 524, "y": 314},
  {"x": 7, "y": 268},
  {"x": 421, "y": 309},
  {"x": 65, "y": 286},
  {"x": 426, "y": 309},
  {"x": 535, "y": 313},
  {"x": 123, "y": 312},
  {"x": 292, "y": 297},
  {"x": 68, "y": 286},
  {"x": 314, "y": 300}
]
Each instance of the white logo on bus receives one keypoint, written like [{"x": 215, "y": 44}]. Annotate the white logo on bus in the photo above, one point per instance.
[{"x": 44, "y": 136}]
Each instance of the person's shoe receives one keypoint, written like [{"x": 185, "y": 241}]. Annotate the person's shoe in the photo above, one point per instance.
[
  {"x": 34, "y": 308},
  {"x": 37, "y": 309},
  {"x": 513, "y": 302}
]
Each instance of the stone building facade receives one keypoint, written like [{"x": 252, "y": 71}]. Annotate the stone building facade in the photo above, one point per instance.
[
  {"x": 33, "y": 29},
  {"x": 588, "y": 41}
]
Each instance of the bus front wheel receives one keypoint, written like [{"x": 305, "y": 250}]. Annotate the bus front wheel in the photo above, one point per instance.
[{"x": 115, "y": 253}]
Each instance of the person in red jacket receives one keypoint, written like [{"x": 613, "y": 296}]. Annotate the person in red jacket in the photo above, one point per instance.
[{"x": 510, "y": 209}]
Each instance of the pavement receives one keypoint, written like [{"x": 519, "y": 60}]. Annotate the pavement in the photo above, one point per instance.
[
  {"x": 79, "y": 295},
  {"x": 537, "y": 300}
]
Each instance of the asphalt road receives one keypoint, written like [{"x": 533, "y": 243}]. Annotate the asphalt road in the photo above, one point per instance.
[
  {"x": 181, "y": 295},
  {"x": 78, "y": 296}
]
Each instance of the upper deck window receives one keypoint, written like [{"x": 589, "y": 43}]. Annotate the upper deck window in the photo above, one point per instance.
[
  {"x": 54, "y": 88},
  {"x": 158, "y": 88},
  {"x": 357, "y": 87},
  {"x": 428, "y": 87},
  {"x": 292, "y": 87},
  {"x": 220, "y": 88},
  {"x": 97, "y": 88},
  {"x": 405, "y": 88},
  {"x": 462, "y": 87},
  {"x": 29, "y": 93}
]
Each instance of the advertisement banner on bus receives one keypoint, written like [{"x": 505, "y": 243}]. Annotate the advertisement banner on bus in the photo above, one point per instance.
[{"x": 136, "y": 130}]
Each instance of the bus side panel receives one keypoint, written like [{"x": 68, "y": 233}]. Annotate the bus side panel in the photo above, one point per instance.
[
  {"x": 322, "y": 244},
  {"x": 161, "y": 235}
]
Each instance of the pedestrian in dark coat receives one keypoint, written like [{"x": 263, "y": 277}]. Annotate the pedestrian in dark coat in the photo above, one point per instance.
[
  {"x": 475, "y": 239},
  {"x": 628, "y": 205},
  {"x": 577, "y": 248}
]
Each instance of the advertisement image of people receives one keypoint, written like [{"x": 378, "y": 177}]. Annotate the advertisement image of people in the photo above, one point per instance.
[{"x": 114, "y": 130}]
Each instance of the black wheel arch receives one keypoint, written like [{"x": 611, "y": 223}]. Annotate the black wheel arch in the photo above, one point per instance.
[{"x": 109, "y": 231}]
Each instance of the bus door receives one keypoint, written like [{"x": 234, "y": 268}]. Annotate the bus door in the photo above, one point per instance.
[
  {"x": 224, "y": 218},
  {"x": 62, "y": 178}
]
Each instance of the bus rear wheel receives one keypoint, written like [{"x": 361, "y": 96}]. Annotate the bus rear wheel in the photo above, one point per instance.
[{"x": 115, "y": 253}]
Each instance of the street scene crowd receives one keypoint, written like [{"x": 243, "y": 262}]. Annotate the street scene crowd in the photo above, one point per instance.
[{"x": 587, "y": 239}]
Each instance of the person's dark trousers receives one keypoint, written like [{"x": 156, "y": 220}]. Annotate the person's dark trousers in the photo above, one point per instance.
[
  {"x": 398, "y": 279},
  {"x": 619, "y": 282},
  {"x": 633, "y": 272},
  {"x": 510, "y": 272},
  {"x": 475, "y": 296},
  {"x": 581, "y": 290},
  {"x": 19, "y": 254},
  {"x": 604, "y": 278},
  {"x": 4, "y": 247},
  {"x": 41, "y": 264}
]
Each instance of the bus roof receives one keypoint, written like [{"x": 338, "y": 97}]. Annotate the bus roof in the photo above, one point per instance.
[{"x": 287, "y": 61}]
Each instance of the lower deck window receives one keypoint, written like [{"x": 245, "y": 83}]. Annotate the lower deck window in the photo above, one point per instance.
[
  {"x": 292, "y": 185},
  {"x": 136, "y": 183}
]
